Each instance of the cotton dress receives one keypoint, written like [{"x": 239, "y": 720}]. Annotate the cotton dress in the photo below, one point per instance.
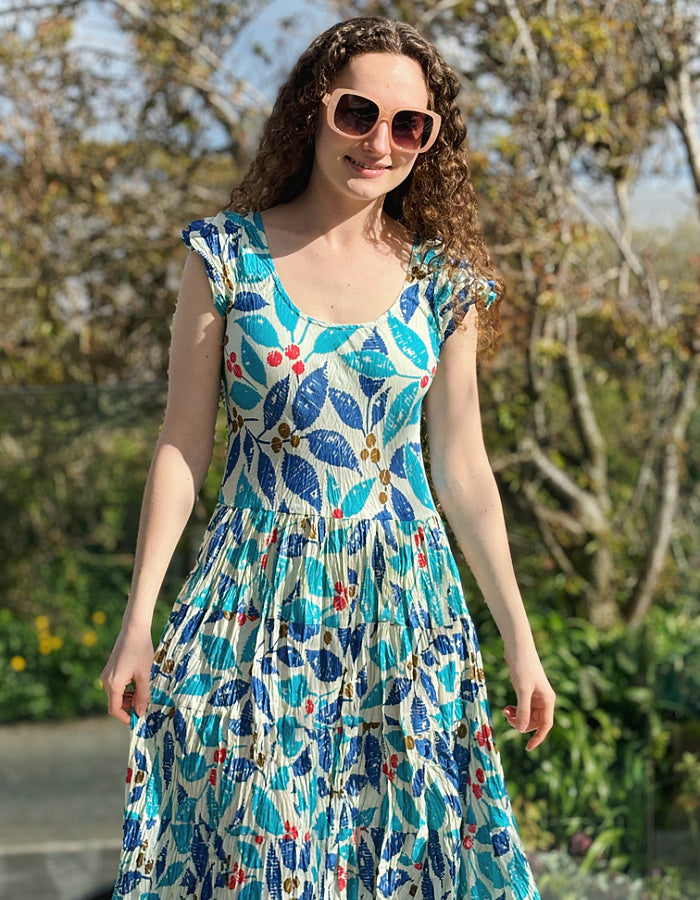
[{"x": 318, "y": 726}]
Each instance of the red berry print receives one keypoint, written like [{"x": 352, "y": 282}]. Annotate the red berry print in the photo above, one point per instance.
[
  {"x": 274, "y": 358},
  {"x": 480, "y": 775},
  {"x": 478, "y": 791},
  {"x": 424, "y": 381},
  {"x": 337, "y": 513},
  {"x": 258, "y": 839},
  {"x": 298, "y": 367},
  {"x": 422, "y": 561},
  {"x": 229, "y": 365},
  {"x": 237, "y": 371},
  {"x": 212, "y": 776},
  {"x": 468, "y": 842},
  {"x": 129, "y": 775},
  {"x": 309, "y": 706},
  {"x": 472, "y": 827},
  {"x": 290, "y": 830},
  {"x": 292, "y": 351},
  {"x": 263, "y": 561}
]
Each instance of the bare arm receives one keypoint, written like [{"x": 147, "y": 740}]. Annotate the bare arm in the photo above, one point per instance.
[
  {"x": 180, "y": 463},
  {"x": 468, "y": 494}
]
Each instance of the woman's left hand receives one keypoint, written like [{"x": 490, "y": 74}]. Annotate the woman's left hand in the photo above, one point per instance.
[{"x": 536, "y": 698}]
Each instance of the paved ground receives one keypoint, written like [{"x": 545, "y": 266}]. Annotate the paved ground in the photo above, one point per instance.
[{"x": 61, "y": 806}]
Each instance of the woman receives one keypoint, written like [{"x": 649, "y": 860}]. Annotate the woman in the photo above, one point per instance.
[{"x": 314, "y": 722}]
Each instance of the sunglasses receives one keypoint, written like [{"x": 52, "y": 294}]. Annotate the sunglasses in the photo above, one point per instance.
[{"x": 355, "y": 115}]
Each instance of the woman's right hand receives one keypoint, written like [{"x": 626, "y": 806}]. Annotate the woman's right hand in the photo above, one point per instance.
[{"x": 130, "y": 661}]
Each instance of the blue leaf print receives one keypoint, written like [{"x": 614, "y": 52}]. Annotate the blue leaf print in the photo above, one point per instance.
[
  {"x": 151, "y": 725},
  {"x": 248, "y": 448},
  {"x": 199, "y": 852},
  {"x": 410, "y": 299},
  {"x": 213, "y": 546},
  {"x": 325, "y": 664},
  {"x": 403, "y": 508},
  {"x": 373, "y": 361},
  {"x": 373, "y": 760},
  {"x": 399, "y": 410},
  {"x": 132, "y": 833},
  {"x": 191, "y": 627},
  {"x": 378, "y": 562},
  {"x": 168, "y": 757},
  {"x": 232, "y": 455},
  {"x": 161, "y": 861},
  {"x": 419, "y": 716},
  {"x": 290, "y": 656},
  {"x": 365, "y": 863},
  {"x": 389, "y": 882},
  {"x": 259, "y": 329},
  {"x": 266, "y": 477},
  {"x": 399, "y": 690},
  {"x": 435, "y": 853},
  {"x": 252, "y": 363},
  {"x": 273, "y": 875},
  {"x": 181, "y": 669},
  {"x": 358, "y": 537},
  {"x": 428, "y": 687},
  {"x": 378, "y": 409},
  {"x": 275, "y": 403},
  {"x": 370, "y": 386},
  {"x": 332, "y": 448},
  {"x": 261, "y": 695},
  {"x": 394, "y": 844},
  {"x": 301, "y": 478},
  {"x": 229, "y": 693},
  {"x": 244, "y": 395},
  {"x": 418, "y": 782},
  {"x": 248, "y": 300},
  {"x": 310, "y": 397},
  {"x": 347, "y": 407}
]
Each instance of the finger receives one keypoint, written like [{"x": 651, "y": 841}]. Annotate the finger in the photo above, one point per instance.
[
  {"x": 142, "y": 694},
  {"x": 546, "y": 717},
  {"x": 116, "y": 705},
  {"x": 522, "y": 714}
]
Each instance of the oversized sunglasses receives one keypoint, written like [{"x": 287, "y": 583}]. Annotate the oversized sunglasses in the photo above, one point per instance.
[{"x": 355, "y": 115}]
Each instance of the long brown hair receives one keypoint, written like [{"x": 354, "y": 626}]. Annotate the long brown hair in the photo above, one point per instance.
[{"x": 436, "y": 201}]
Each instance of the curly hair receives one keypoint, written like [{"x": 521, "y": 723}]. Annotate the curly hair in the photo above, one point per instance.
[{"x": 436, "y": 201}]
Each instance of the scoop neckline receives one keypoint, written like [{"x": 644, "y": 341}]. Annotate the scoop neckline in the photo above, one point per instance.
[{"x": 258, "y": 222}]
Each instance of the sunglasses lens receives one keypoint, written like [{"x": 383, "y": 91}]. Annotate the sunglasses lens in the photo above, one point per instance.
[
  {"x": 411, "y": 130},
  {"x": 355, "y": 115}
]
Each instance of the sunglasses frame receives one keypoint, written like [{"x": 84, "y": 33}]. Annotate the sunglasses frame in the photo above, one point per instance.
[{"x": 331, "y": 100}]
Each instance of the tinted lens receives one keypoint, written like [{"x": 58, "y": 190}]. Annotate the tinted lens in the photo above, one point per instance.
[
  {"x": 411, "y": 130},
  {"x": 355, "y": 115}
]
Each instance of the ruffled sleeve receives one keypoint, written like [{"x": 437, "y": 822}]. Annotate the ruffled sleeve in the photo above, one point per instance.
[
  {"x": 217, "y": 239},
  {"x": 458, "y": 292}
]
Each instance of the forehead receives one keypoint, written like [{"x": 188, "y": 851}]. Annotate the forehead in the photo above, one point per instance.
[{"x": 389, "y": 77}]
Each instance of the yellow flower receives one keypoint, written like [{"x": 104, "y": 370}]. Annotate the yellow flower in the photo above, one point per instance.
[
  {"x": 42, "y": 623},
  {"x": 98, "y": 617},
  {"x": 56, "y": 642},
  {"x": 89, "y": 637},
  {"x": 18, "y": 663},
  {"x": 45, "y": 646}
]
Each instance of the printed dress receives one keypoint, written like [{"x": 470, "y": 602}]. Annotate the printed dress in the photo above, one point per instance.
[{"x": 318, "y": 727}]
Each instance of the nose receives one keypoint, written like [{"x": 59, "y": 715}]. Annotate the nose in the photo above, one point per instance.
[{"x": 379, "y": 139}]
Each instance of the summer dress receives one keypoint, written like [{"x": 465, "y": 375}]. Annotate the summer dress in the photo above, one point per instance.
[{"x": 319, "y": 727}]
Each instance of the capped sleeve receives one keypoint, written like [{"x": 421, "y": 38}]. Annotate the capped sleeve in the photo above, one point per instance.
[
  {"x": 216, "y": 239},
  {"x": 458, "y": 292}
]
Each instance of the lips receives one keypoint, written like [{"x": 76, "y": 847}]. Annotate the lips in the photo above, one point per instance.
[{"x": 365, "y": 165}]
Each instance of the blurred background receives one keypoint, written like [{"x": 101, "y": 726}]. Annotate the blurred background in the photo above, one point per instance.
[{"x": 122, "y": 120}]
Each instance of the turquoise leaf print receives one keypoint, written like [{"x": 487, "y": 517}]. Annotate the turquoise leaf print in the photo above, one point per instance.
[
  {"x": 286, "y": 315},
  {"x": 399, "y": 410},
  {"x": 356, "y": 497},
  {"x": 259, "y": 329},
  {"x": 409, "y": 343},
  {"x": 370, "y": 361},
  {"x": 331, "y": 447},
  {"x": 218, "y": 651},
  {"x": 265, "y": 813},
  {"x": 332, "y": 489},
  {"x": 415, "y": 473},
  {"x": 331, "y": 338},
  {"x": 196, "y": 685},
  {"x": 193, "y": 766},
  {"x": 310, "y": 397},
  {"x": 244, "y": 395},
  {"x": 252, "y": 363}
]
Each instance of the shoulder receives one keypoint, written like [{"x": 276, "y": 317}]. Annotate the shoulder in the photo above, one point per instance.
[{"x": 225, "y": 226}]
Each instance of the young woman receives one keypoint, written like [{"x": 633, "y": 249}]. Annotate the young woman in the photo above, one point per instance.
[{"x": 314, "y": 722}]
